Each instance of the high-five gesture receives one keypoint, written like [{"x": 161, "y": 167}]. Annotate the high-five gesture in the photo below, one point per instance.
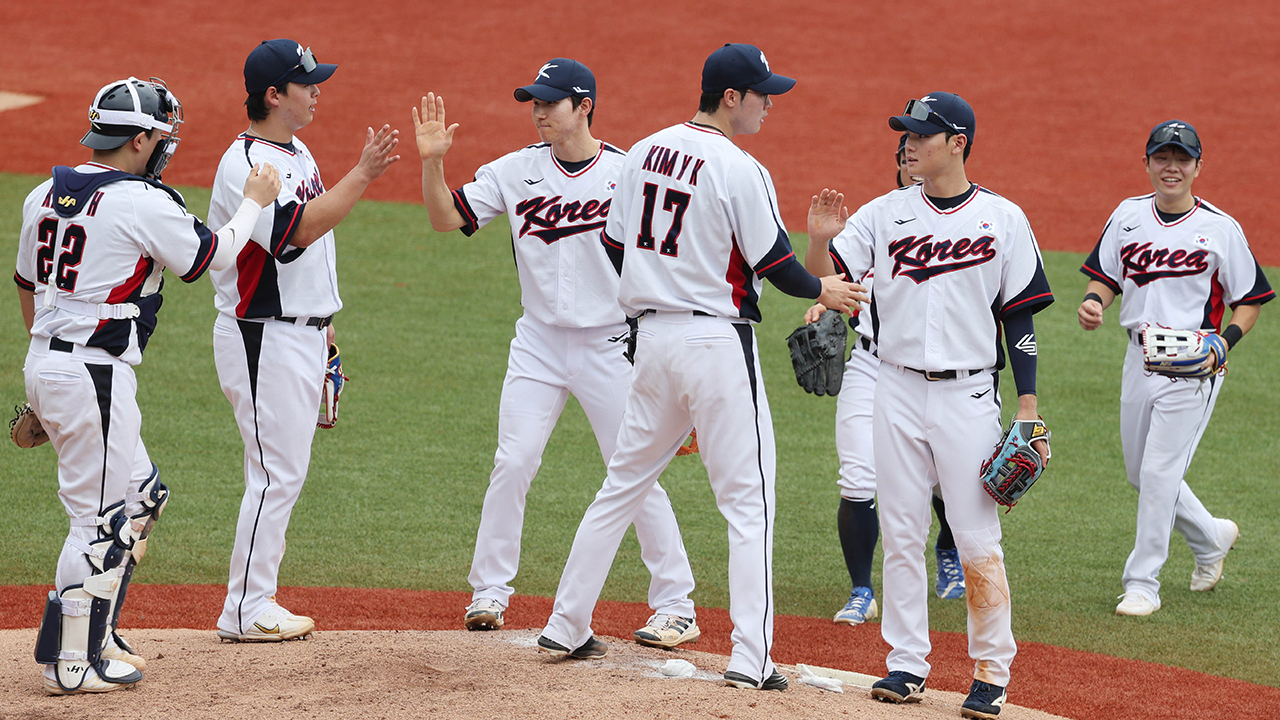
[
  {"x": 827, "y": 215},
  {"x": 434, "y": 137},
  {"x": 376, "y": 156}
]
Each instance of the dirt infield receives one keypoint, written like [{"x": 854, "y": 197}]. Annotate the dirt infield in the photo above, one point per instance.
[
  {"x": 448, "y": 674},
  {"x": 1065, "y": 92},
  {"x": 1072, "y": 684}
]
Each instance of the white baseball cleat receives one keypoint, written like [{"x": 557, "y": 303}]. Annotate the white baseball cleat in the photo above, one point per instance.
[
  {"x": 116, "y": 651},
  {"x": 668, "y": 631},
  {"x": 1136, "y": 604},
  {"x": 1206, "y": 577},
  {"x": 484, "y": 614},
  {"x": 274, "y": 625}
]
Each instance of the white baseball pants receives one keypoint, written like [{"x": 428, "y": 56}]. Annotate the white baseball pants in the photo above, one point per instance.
[
  {"x": 690, "y": 371},
  {"x": 940, "y": 432},
  {"x": 272, "y": 372},
  {"x": 1161, "y": 423},
  {"x": 546, "y": 363}
]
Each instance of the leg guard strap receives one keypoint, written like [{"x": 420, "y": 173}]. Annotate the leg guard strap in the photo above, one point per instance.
[{"x": 74, "y": 628}]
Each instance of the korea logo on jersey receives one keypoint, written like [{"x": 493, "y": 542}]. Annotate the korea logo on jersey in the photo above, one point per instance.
[
  {"x": 552, "y": 218},
  {"x": 922, "y": 258},
  {"x": 1144, "y": 263},
  {"x": 1202, "y": 241},
  {"x": 610, "y": 186},
  {"x": 984, "y": 226}
]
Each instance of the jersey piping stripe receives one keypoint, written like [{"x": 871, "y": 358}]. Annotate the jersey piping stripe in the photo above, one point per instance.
[
  {"x": 1257, "y": 299},
  {"x": 469, "y": 218},
  {"x": 765, "y": 270},
  {"x": 1155, "y": 213},
  {"x": 746, "y": 336},
  {"x": 22, "y": 282},
  {"x": 208, "y": 247},
  {"x": 956, "y": 209},
  {"x": 1100, "y": 277},
  {"x": 251, "y": 334},
  {"x": 1213, "y": 307},
  {"x": 249, "y": 140},
  {"x": 101, "y": 376},
  {"x": 1024, "y": 301},
  {"x": 566, "y": 173}
]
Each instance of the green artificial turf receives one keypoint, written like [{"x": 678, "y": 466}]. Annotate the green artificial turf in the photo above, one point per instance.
[{"x": 394, "y": 493}]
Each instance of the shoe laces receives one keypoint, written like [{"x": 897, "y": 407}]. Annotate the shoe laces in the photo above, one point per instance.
[
  {"x": 860, "y": 596},
  {"x": 949, "y": 566},
  {"x": 486, "y": 604}
]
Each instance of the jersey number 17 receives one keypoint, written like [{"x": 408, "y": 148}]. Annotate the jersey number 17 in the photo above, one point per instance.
[{"x": 674, "y": 202}]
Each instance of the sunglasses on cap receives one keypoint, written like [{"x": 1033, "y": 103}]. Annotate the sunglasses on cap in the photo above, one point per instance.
[
  {"x": 307, "y": 63},
  {"x": 1175, "y": 134},
  {"x": 919, "y": 110}
]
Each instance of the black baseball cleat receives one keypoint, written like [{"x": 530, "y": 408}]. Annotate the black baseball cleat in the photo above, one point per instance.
[
  {"x": 592, "y": 648},
  {"x": 776, "y": 681},
  {"x": 899, "y": 687},
  {"x": 984, "y": 701}
]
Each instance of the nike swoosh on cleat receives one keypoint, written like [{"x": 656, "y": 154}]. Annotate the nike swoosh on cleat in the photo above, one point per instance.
[{"x": 270, "y": 631}]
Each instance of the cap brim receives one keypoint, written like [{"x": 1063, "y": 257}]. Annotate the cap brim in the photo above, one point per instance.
[
  {"x": 98, "y": 141},
  {"x": 322, "y": 72},
  {"x": 545, "y": 93},
  {"x": 905, "y": 123},
  {"x": 774, "y": 85},
  {"x": 1190, "y": 151}
]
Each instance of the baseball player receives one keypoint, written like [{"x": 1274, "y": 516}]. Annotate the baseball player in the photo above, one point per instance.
[
  {"x": 1179, "y": 262},
  {"x": 556, "y": 195},
  {"x": 275, "y": 308},
  {"x": 698, "y": 225},
  {"x": 94, "y": 244},
  {"x": 955, "y": 265},
  {"x": 856, "y": 520}
]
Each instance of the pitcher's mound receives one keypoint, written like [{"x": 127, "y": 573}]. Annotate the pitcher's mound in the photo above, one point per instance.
[
  {"x": 13, "y": 100},
  {"x": 414, "y": 674}
]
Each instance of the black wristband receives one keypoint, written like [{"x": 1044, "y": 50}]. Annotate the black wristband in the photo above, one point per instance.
[
  {"x": 1094, "y": 296},
  {"x": 1232, "y": 335}
]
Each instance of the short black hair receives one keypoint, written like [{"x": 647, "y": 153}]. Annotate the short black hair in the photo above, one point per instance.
[
  {"x": 968, "y": 144},
  {"x": 577, "y": 100},
  {"x": 256, "y": 104},
  {"x": 709, "y": 103}
]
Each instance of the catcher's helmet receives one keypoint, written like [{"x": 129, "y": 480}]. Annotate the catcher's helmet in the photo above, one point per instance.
[{"x": 124, "y": 108}]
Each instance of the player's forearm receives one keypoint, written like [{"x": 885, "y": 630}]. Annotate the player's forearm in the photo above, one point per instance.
[
  {"x": 817, "y": 259},
  {"x": 443, "y": 213},
  {"x": 323, "y": 214},
  {"x": 1020, "y": 341},
  {"x": 1027, "y": 407},
  {"x": 1244, "y": 317},
  {"x": 27, "y": 299},
  {"x": 233, "y": 236}
]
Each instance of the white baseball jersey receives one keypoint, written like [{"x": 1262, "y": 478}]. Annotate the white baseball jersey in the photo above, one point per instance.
[
  {"x": 693, "y": 182},
  {"x": 556, "y": 217},
  {"x": 1181, "y": 274},
  {"x": 270, "y": 277},
  {"x": 101, "y": 236},
  {"x": 933, "y": 267}
]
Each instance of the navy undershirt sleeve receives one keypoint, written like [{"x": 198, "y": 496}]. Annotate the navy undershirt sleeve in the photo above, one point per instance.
[
  {"x": 1020, "y": 339},
  {"x": 790, "y": 277}
]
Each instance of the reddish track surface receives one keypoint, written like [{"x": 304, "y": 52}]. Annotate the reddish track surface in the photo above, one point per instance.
[
  {"x": 1073, "y": 684},
  {"x": 1065, "y": 93}
]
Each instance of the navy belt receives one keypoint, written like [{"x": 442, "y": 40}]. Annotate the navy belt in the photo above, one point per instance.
[
  {"x": 945, "y": 374},
  {"x": 315, "y": 322},
  {"x": 651, "y": 311}
]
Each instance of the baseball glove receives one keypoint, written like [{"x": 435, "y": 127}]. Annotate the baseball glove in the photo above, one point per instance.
[
  {"x": 818, "y": 352},
  {"x": 1015, "y": 465},
  {"x": 25, "y": 428},
  {"x": 333, "y": 382},
  {"x": 692, "y": 447},
  {"x": 1191, "y": 354}
]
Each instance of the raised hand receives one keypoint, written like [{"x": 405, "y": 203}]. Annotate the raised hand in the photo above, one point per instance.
[
  {"x": 434, "y": 138},
  {"x": 376, "y": 156},
  {"x": 827, "y": 215}
]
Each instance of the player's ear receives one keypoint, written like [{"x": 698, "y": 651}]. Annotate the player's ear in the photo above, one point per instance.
[
  {"x": 730, "y": 98},
  {"x": 584, "y": 107},
  {"x": 271, "y": 97},
  {"x": 960, "y": 140}
]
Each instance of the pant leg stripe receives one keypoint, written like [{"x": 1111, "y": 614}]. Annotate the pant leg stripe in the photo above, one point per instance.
[
  {"x": 101, "y": 376},
  {"x": 251, "y": 334},
  {"x": 747, "y": 336}
]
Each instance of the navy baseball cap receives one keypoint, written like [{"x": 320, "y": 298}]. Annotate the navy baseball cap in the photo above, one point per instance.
[
  {"x": 935, "y": 113},
  {"x": 738, "y": 65},
  {"x": 277, "y": 61},
  {"x": 1176, "y": 133},
  {"x": 559, "y": 79},
  {"x": 902, "y": 144}
]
